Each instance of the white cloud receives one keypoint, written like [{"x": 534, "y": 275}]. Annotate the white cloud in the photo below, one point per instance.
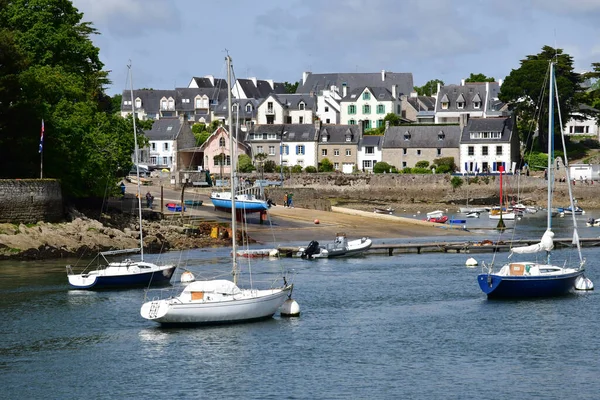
[{"x": 130, "y": 18}]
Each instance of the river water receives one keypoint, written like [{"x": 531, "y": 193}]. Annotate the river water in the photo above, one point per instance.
[{"x": 407, "y": 326}]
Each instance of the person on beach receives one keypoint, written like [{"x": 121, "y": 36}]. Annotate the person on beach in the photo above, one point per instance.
[
  {"x": 285, "y": 200},
  {"x": 149, "y": 199},
  {"x": 290, "y": 200}
]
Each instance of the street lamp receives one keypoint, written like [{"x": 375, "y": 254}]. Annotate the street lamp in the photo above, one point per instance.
[{"x": 281, "y": 155}]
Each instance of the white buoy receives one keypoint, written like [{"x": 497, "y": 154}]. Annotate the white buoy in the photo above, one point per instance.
[
  {"x": 583, "y": 283},
  {"x": 290, "y": 308},
  {"x": 471, "y": 262},
  {"x": 187, "y": 277},
  {"x": 274, "y": 253}
]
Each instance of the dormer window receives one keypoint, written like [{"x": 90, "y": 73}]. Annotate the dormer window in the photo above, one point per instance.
[
  {"x": 301, "y": 106},
  {"x": 222, "y": 142},
  {"x": 476, "y": 104},
  {"x": 366, "y": 96},
  {"x": 348, "y": 138},
  {"x": 406, "y": 135},
  {"x": 248, "y": 107},
  {"x": 138, "y": 103},
  {"x": 460, "y": 105},
  {"x": 163, "y": 104},
  {"x": 171, "y": 102},
  {"x": 444, "y": 101},
  {"x": 441, "y": 135},
  {"x": 444, "y": 105},
  {"x": 324, "y": 138}
]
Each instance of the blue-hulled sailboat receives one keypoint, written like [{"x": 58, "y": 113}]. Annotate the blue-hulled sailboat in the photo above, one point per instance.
[{"x": 533, "y": 278}]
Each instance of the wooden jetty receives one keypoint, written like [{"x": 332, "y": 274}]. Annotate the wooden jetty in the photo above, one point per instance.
[{"x": 453, "y": 247}]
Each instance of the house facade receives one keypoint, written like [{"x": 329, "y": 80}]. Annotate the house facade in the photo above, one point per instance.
[
  {"x": 583, "y": 124},
  {"x": 404, "y": 146},
  {"x": 266, "y": 139},
  {"x": 368, "y": 106},
  {"x": 339, "y": 144},
  {"x": 488, "y": 143},
  {"x": 166, "y": 138},
  {"x": 286, "y": 109},
  {"x": 217, "y": 151},
  {"x": 419, "y": 109},
  {"x": 369, "y": 152}
]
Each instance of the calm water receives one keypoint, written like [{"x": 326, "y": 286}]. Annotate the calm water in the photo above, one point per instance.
[{"x": 408, "y": 326}]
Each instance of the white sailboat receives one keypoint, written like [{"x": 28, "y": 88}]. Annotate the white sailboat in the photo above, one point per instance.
[
  {"x": 220, "y": 301},
  {"x": 126, "y": 273},
  {"x": 533, "y": 278}
]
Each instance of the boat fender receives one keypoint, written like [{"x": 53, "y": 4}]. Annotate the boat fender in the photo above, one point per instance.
[{"x": 527, "y": 268}]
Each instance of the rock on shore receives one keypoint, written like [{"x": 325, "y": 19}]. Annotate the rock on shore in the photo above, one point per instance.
[{"x": 84, "y": 237}]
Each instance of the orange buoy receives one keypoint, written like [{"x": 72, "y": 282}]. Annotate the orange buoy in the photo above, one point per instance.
[{"x": 316, "y": 221}]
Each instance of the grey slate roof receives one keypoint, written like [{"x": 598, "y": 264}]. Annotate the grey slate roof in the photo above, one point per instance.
[
  {"x": 424, "y": 136},
  {"x": 205, "y": 82},
  {"x": 262, "y": 88},
  {"x": 422, "y": 103},
  {"x": 379, "y": 93},
  {"x": 150, "y": 99},
  {"x": 318, "y": 82},
  {"x": 214, "y": 94},
  {"x": 164, "y": 129},
  {"x": 452, "y": 94},
  {"x": 503, "y": 124},
  {"x": 338, "y": 133},
  {"x": 221, "y": 108},
  {"x": 265, "y": 128},
  {"x": 300, "y": 133},
  {"x": 292, "y": 101},
  {"x": 371, "y": 140}
]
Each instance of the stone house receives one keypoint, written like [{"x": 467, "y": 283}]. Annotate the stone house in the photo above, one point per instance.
[
  {"x": 471, "y": 99},
  {"x": 404, "y": 146},
  {"x": 339, "y": 144},
  {"x": 266, "y": 139},
  {"x": 419, "y": 109}
]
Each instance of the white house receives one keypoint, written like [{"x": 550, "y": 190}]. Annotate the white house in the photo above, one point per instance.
[
  {"x": 300, "y": 144},
  {"x": 584, "y": 171},
  {"x": 328, "y": 106},
  {"x": 474, "y": 99},
  {"x": 369, "y": 152},
  {"x": 488, "y": 143},
  {"x": 369, "y": 106},
  {"x": 583, "y": 125},
  {"x": 286, "y": 109}
]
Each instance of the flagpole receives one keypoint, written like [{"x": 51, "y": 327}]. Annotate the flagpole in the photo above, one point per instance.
[{"x": 42, "y": 152}]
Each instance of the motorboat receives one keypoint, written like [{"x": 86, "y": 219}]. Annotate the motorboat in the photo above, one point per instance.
[{"x": 341, "y": 247}]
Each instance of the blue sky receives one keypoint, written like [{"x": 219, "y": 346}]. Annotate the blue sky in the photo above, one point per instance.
[{"x": 168, "y": 42}]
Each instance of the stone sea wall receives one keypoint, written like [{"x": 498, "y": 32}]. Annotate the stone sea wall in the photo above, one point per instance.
[{"x": 28, "y": 201}]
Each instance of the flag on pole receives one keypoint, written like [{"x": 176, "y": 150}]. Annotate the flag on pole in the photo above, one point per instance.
[{"x": 42, "y": 137}]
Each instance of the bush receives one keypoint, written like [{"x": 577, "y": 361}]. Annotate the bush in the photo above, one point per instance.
[
  {"x": 417, "y": 170},
  {"x": 310, "y": 169},
  {"x": 422, "y": 164},
  {"x": 296, "y": 169},
  {"x": 382, "y": 167},
  {"x": 406, "y": 170},
  {"x": 270, "y": 166},
  {"x": 456, "y": 182},
  {"x": 325, "y": 165},
  {"x": 448, "y": 161},
  {"x": 443, "y": 169}
]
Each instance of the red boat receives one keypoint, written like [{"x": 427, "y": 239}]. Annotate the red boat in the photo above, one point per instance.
[{"x": 439, "y": 220}]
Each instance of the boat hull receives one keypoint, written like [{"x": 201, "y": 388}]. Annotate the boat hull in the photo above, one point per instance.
[
  {"x": 248, "y": 206},
  {"x": 500, "y": 287},
  {"x": 96, "y": 280},
  {"x": 263, "y": 305}
]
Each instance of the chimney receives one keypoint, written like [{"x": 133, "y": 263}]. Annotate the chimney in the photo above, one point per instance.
[
  {"x": 383, "y": 75},
  {"x": 344, "y": 89},
  {"x": 462, "y": 82},
  {"x": 387, "y": 125},
  {"x": 253, "y": 79},
  {"x": 500, "y": 82},
  {"x": 395, "y": 92},
  {"x": 463, "y": 119},
  {"x": 305, "y": 76},
  {"x": 272, "y": 83},
  {"x": 317, "y": 124},
  {"x": 211, "y": 79},
  {"x": 439, "y": 86}
]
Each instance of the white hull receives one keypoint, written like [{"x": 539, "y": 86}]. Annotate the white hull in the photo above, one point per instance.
[
  {"x": 466, "y": 210},
  {"x": 509, "y": 216},
  {"x": 209, "y": 304}
]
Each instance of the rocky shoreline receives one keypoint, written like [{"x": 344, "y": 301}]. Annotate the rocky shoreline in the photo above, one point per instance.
[{"x": 85, "y": 236}]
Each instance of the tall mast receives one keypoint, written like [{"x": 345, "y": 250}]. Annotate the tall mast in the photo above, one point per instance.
[
  {"x": 234, "y": 271},
  {"x": 550, "y": 147},
  {"x": 137, "y": 164}
]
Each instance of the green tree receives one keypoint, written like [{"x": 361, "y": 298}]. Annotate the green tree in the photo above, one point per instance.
[
  {"x": 422, "y": 164},
  {"x": 430, "y": 88},
  {"x": 270, "y": 166},
  {"x": 393, "y": 119},
  {"x": 525, "y": 90},
  {"x": 479, "y": 78},
  {"x": 291, "y": 87},
  {"x": 444, "y": 164},
  {"x": 60, "y": 80},
  {"x": 260, "y": 159},
  {"x": 325, "y": 165},
  {"x": 245, "y": 163},
  {"x": 115, "y": 103}
]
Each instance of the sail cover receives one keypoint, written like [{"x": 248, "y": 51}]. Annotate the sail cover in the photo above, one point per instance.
[{"x": 546, "y": 244}]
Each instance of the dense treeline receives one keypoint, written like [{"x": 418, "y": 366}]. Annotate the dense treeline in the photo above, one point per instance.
[{"x": 51, "y": 71}]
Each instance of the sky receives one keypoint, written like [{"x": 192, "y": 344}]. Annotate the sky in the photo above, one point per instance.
[{"x": 169, "y": 42}]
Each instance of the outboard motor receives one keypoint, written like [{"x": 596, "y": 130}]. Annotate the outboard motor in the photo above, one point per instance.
[{"x": 312, "y": 248}]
